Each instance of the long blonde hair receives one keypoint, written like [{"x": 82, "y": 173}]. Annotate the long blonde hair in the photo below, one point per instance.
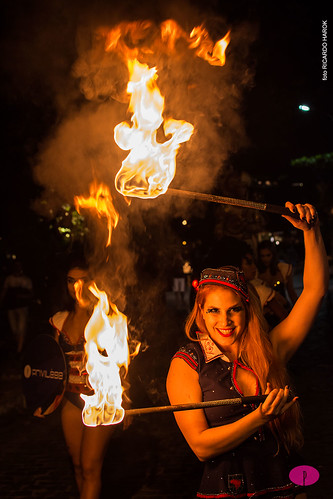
[{"x": 256, "y": 352}]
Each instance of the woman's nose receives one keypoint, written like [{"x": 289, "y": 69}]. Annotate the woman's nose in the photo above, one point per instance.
[{"x": 225, "y": 319}]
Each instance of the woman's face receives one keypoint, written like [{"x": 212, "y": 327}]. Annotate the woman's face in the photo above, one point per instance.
[
  {"x": 74, "y": 276},
  {"x": 224, "y": 316},
  {"x": 266, "y": 257}
]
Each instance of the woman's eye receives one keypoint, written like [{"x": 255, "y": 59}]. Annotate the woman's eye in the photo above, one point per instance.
[
  {"x": 237, "y": 309},
  {"x": 212, "y": 311}
]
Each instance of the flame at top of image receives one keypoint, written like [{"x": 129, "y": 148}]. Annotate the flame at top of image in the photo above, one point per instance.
[
  {"x": 134, "y": 40},
  {"x": 99, "y": 200},
  {"x": 150, "y": 166}
]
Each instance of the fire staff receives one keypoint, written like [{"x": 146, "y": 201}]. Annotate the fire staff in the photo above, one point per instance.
[{"x": 247, "y": 451}]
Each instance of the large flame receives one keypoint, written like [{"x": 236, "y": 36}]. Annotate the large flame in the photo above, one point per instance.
[
  {"x": 150, "y": 166},
  {"x": 99, "y": 200},
  {"x": 107, "y": 354}
]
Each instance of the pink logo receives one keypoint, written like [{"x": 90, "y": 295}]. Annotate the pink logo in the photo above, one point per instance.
[{"x": 304, "y": 475}]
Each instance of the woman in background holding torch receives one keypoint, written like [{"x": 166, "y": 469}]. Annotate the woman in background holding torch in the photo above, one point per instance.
[
  {"x": 247, "y": 450},
  {"x": 86, "y": 445}
]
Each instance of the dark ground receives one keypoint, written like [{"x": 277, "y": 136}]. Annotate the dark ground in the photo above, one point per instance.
[{"x": 151, "y": 458}]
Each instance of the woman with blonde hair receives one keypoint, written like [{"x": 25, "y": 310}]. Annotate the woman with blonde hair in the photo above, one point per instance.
[{"x": 248, "y": 451}]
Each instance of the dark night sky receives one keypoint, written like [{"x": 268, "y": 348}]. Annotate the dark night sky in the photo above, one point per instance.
[{"x": 38, "y": 48}]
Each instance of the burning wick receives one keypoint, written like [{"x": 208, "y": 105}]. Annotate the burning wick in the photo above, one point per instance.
[
  {"x": 107, "y": 354},
  {"x": 150, "y": 166}
]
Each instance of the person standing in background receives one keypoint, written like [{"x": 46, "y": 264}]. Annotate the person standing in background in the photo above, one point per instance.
[
  {"x": 16, "y": 298},
  {"x": 276, "y": 274},
  {"x": 275, "y": 306}
]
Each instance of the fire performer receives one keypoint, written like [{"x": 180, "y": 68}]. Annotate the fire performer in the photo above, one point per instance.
[
  {"x": 248, "y": 451},
  {"x": 86, "y": 445}
]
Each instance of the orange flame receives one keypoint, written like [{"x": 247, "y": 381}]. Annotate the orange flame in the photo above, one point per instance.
[
  {"x": 171, "y": 32},
  {"x": 138, "y": 38},
  {"x": 100, "y": 200},
  {"x": 107, "y": 353},
  {"x": 105, "y": 334},
  {"x": 205, "y": 48},
  {"x": 150, "y": 166}
]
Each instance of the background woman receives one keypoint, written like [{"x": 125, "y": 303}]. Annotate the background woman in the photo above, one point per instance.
[
  {"x": 86, "y": 445},
  {"x": 275, "y": 306},
  {"x": 276, "y": 274},
  {"x": 247, "y": 450}
]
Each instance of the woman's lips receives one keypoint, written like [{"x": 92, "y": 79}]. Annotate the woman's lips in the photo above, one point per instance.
[{"x": 225, "y": 332}]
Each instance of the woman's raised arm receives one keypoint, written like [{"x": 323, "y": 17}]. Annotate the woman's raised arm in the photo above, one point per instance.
[{"x": 288, "y": 335}]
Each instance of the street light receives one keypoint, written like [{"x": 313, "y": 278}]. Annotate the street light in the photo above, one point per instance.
[{"x": 304, "y": 108}]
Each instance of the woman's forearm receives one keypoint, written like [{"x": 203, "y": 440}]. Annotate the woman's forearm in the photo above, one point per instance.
[
  {"x": 214, "y": 441},
  {"x": 316, "y": 272}
]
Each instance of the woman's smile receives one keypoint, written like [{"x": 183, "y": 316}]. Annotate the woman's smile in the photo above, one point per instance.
[{"x": 225, "y": 332}]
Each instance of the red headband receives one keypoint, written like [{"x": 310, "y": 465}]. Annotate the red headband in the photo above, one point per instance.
[{"x": 231, "y": 277}]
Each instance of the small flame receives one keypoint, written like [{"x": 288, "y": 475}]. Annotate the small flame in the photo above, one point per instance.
[
  {"x": 100, "y": 200},
  {"x": 220, "y": 48},
  {"x": 107, "y": 352},
  {"x": 170, "y": 33},
  {"x": 150, "y": 166},
  {"x": 205, "y": 48}
]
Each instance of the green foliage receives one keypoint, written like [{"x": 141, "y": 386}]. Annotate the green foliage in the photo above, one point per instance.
[
  {"x": 70, "y": 224},
  {"x": 318, "y": 161}
]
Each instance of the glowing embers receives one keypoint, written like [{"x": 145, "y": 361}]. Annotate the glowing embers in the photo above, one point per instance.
[{"x": 150, "y": 166}]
